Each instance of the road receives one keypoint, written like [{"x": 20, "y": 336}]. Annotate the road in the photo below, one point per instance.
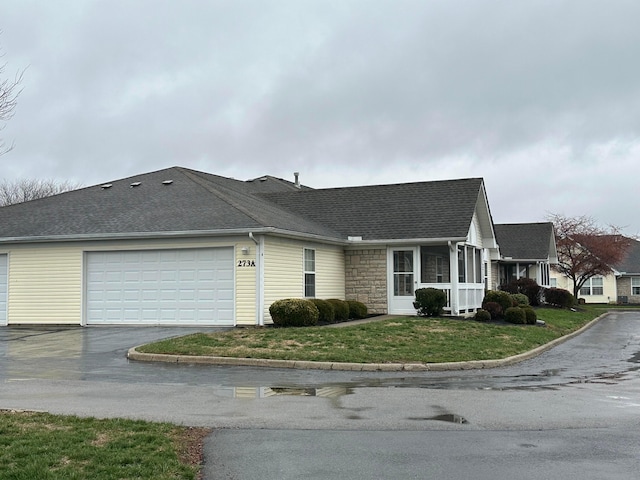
[{"x": 573, "y": 411}]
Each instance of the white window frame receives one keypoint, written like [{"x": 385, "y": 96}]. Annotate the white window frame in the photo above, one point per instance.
[
  {"x": 635, "y": 285},
  {"x": 309, "y": 273},
  {"x": 591, "y": 287}
]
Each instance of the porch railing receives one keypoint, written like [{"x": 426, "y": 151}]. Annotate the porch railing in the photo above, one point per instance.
[{"x": 470, "y": 295}]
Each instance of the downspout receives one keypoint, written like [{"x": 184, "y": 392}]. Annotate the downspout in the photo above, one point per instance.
[
  {"x": 259, "y": 278},
  {"x": 453, "y": 267}
]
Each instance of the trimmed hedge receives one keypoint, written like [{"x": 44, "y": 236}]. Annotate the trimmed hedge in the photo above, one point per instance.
[
  {"x": 526, "y": 286},
  {"x": 520, "y": 298},
  {"x": 515, "y": 315},
  {"x": 502, "y": 298},
  {"x": 482, "y": 315},
  {"x": 341, "y": 309},
  {"x": 559, "y": 297},
  {"x": 430, "y": 302},
  {"x": 294, "y": 312},
  {"x": 357, "y": 310},
  {"x": 327, "y": 312},
  {"x": 530, "y": 315},
  {"x": 493, "y": 309}
]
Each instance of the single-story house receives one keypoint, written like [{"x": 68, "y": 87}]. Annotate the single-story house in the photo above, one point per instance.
[
  {"x": 621, "y": 286},
  {"x": 183, "y": 247},
  {"x": 527, "y": 250}
]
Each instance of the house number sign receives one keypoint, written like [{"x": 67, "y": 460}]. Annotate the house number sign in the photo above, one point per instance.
[{"x": 246, "y": 263}]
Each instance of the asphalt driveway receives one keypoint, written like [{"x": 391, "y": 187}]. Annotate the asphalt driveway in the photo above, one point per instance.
[{"x": 584, "y": 393}]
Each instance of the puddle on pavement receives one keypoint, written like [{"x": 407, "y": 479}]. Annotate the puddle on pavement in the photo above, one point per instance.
[
  {"x": 447, "y": 417},
  {"x": 266, "y": 392}
]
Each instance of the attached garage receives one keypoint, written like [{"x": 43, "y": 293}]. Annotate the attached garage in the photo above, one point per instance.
[
  {"x": 160, "y": 287},
  {"x": 3, "y": 289}
]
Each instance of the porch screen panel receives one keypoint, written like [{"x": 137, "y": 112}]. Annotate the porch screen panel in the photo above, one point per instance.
[
  {"x": 403, "y": 273},
  {"x": 434, "y": 264}
]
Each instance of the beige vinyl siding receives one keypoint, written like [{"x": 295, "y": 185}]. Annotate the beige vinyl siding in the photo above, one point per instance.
[
  {"x": 330, "y": 276},
  {"x": 46, "y": 280},
  {"x": 45, "y": 285},
  {"x": 246, "y": 281},
  {"x": 284, "y": 274},
  {"x": 283, "y": 277}
]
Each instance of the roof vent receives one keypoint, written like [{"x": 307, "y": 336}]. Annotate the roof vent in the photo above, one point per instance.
[
  {"x": 296, "y": 175},
  {"x": 167, "y": 182},
  {"x": 135, "y": 184},
  {"x": 105, "y": 186}
]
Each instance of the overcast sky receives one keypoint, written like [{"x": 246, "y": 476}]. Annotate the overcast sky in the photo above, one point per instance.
[{"x": 541, "y": 98}]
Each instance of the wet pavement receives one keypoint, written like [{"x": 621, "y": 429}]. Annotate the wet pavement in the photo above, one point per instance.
[
  {"x": 575, "y": 405},
  {"x": 607, "y": 352}
]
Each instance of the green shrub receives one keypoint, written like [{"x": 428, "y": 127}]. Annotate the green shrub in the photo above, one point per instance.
[
  {"x": 527, "y": 286},
  {"x": 530, "y": 315},
  {"x": 558, "y": 297},
  {"x": 327, "y": 313},
  {"x": 515, "y": 315},
  {"x": 430, "y": 302},
  {"x": 502, "y": 298},
  {"x": 494, "y": 309},
  {"x": 520, "y": 298},
  {"x": 482, "y": 315},
  {"x": 294, "y": 312},
  {"x": 341, "y": 309},
  {"x": 357, "y": 309}
]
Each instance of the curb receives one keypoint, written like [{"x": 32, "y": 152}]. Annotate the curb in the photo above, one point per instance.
[{"x": 133, "y": 354}]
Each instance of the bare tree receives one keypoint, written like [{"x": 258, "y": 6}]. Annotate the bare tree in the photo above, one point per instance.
[
  {"x": 586, "y": 250},
  {"x": 9, "y": 92},
  {"x": 20, "y": 191}
]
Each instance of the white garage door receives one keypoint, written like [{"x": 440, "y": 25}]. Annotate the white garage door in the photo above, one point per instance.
[
  {"x": 3, "y": 289},
  {"x": 161, "y": 287}
]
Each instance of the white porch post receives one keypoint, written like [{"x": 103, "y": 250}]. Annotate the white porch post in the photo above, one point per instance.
[{"x": 453, "y": 268}]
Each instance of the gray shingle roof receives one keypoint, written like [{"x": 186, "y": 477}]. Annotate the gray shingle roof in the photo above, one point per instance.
[
  {"x": 631, "y": 263},
  {"x": 200, "y": 202},
  {"x": 193, "y": 201},
  {"x": 524, "y": 241},
  {"x": 440, "y": 209}
]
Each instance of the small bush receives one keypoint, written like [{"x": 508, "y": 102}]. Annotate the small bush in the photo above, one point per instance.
[
  {"x": 559, "y": 297},
  {"x": 341, "y": 309},
  {"x": 530, "y": 315},
  {"x": 526, "y": 286},
  {"x": 327, "y": 313},
  {"x": 482, "y": 315},
  {"x": 520, "y": 298},
  {"x": 502, "y": 298},
  {"x": 294, "y": 312},
  {"x": 357, "y": 309},
  {"x": 430, "y": 302},
  {"x": 494, "y": 309},
  {"x": 515, "y": 315}
]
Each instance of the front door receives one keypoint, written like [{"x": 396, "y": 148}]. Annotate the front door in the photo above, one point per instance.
[{"x": 402, "y": 268}]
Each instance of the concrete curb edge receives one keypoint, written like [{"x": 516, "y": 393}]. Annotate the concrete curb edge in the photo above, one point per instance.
[{"x": 133, "y": 354}]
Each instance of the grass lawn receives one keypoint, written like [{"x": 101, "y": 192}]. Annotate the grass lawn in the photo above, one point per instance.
[
  {"x": 398, "y": 340},
  {"x": 47, "y": 447}
]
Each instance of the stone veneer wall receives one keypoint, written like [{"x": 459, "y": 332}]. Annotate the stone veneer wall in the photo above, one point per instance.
[
  {"x": 624, "y": 288},
  {"x": 366, "y": 278}
]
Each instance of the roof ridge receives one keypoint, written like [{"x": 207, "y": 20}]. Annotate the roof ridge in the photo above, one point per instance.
[{"x": 209, "y": 186}]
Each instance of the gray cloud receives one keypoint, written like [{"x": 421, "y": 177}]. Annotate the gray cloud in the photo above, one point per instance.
[{"x": 346, "y": 91}]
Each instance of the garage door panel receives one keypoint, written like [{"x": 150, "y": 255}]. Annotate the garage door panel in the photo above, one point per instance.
[{"x": 161, "y": 287}]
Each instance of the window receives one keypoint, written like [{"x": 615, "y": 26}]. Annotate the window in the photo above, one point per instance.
[
  {"x": 593, "y": 286},
  {"x": 553, "y": 282},
  {"x": 462, "y": 265},
  {"x": 309, "y": 273},
  {"x": 403, "y": 273},
  {"x": 434, "y": 264},
  {"x": 635, "y": 285}
]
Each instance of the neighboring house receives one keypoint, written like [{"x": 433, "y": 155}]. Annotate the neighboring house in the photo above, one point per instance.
[
  {"x": 182, "y": 247},
  {"x": 621, "y": 286},
  {"x": 527, "y": 250}
]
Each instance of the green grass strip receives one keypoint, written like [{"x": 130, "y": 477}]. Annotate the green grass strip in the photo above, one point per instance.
[
  {"x": 50, "y": 447},
  {"x": 398, "y": 340}
]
